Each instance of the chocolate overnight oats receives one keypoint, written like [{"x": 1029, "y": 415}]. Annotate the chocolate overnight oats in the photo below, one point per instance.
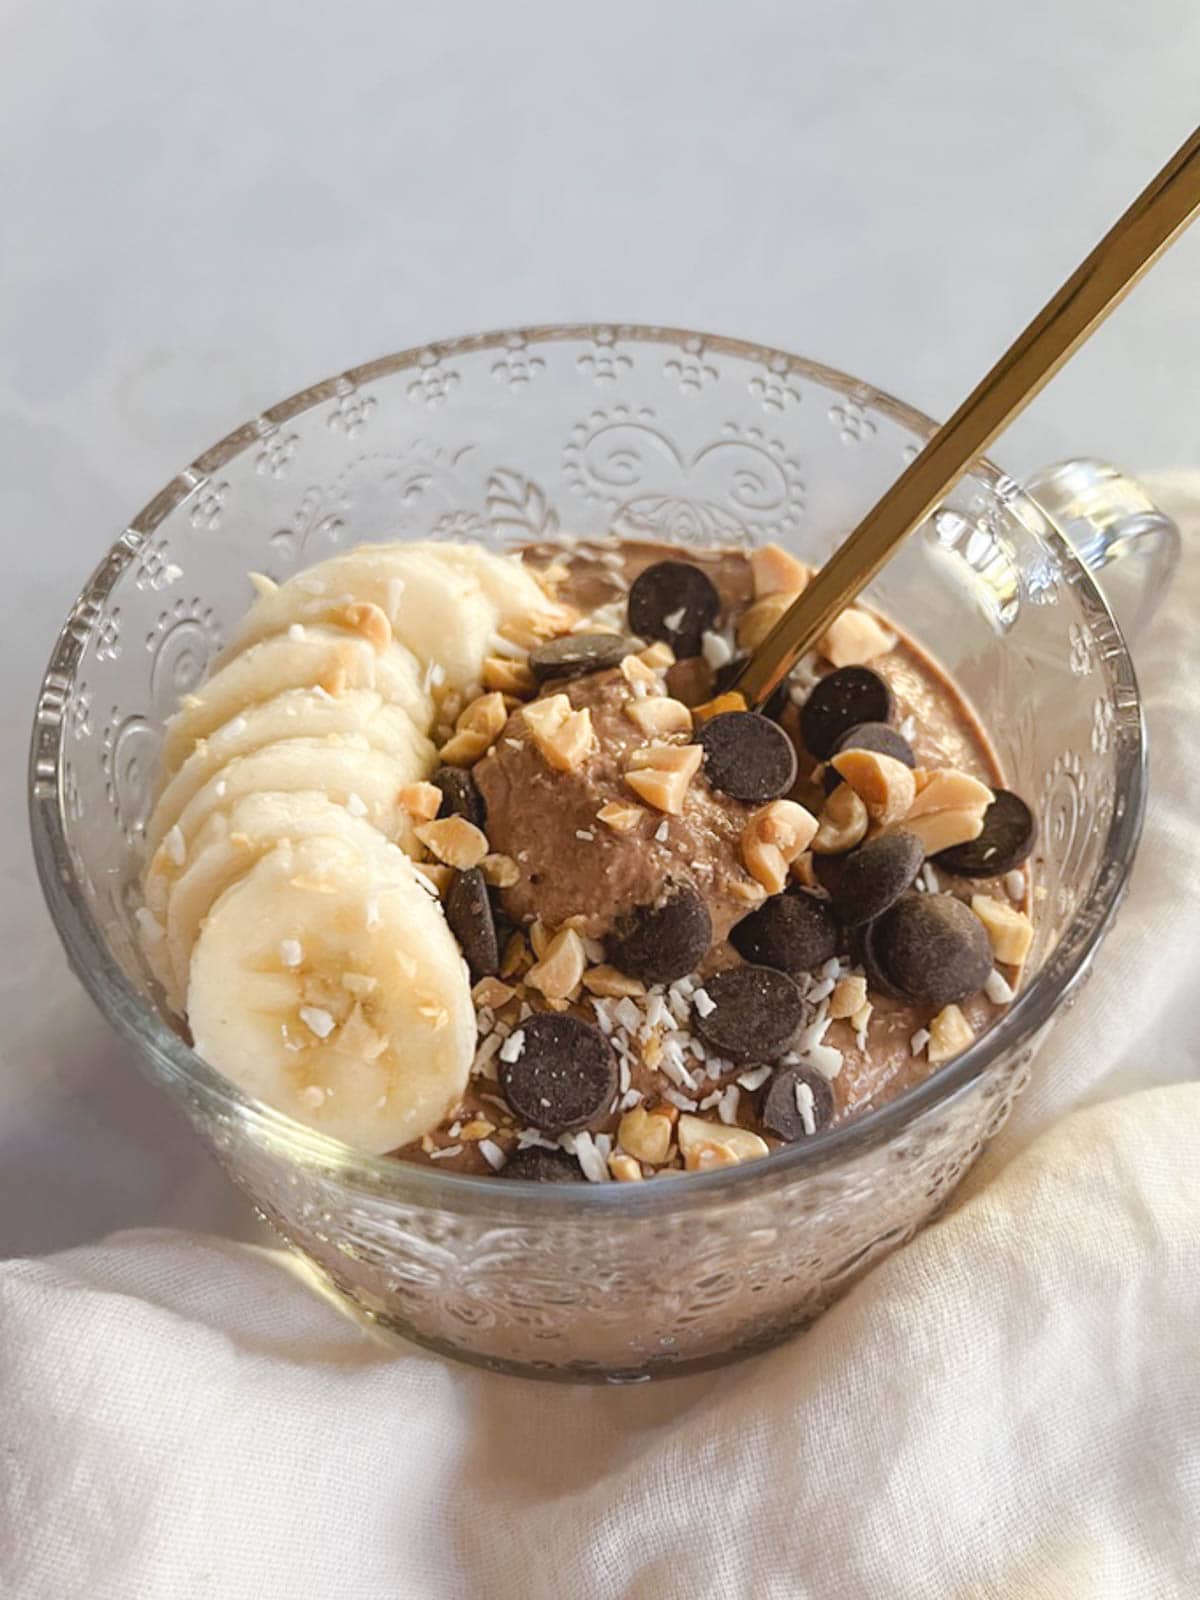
[{"x": 475, "y": 860}]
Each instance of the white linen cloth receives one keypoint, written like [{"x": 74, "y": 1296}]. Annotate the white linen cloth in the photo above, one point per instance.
[{"x": 1009, "y": 1408}]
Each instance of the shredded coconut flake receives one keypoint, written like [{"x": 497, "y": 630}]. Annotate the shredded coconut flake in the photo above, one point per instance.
[
  {"x": 446, "y": 1152},
  {"x": 291, "y": 953},
  {"x": 297, "y": 631},
  {"x": 806, "y": 1106},
  {"x": 662, "y": 831},
  {"x": 513, "y": 1047},
  {"x": 716, "y": 650},
  {"x": 492, "y": 1154},
  {"x": 317, "y": 1021},
  {"x": 356, "y": 805},
  {"x": 674, "y": 619},
  {"x": 704, "y": 1003},
  {"x": 919, "y": 1040},
  {"x": 585, "y": 834},
  {"x": 998, "y": 989},
  {"x": 583, "y": 1147},
  {"x": 825, "y": 1059},
  {"x": 754, "y": 1080},
  {"x": 727, "y": 1104},
  {"x": 680, "y": 1100}
]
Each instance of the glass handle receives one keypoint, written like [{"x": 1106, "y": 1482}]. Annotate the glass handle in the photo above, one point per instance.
[{"x": 1116, "y": 530}]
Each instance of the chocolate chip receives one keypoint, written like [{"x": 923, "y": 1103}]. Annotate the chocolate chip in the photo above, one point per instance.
[
  {"x": 877, "y": 736},
  {"x": 755, "y": 1013},
  {"x": 536, "y": 1165},
  {"x": 933, "y": 948},
  {"x": 460, "y": 797},
  {"x": 662, "y": 942},
  {"x": 794, "y": 932},
  {"x": 878, "y": 982},
  {"x": 565, "y": 1075},
  {"x": 781, "y": 1108},
  {"x": 675, "y": 601},
  {"x": 469, "y": 915},
  {"x": 1009, "y": 831},
  {"x": 775, "y": 706},
  {"x": 874, "y": 876},
  {"x": 748, "y": 756},
  {"x": 577, "y": 653},
  {"x": 845, "y": 699}
]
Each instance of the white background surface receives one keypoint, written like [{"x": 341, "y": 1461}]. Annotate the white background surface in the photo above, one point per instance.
[{"x": 205, "y": 207}]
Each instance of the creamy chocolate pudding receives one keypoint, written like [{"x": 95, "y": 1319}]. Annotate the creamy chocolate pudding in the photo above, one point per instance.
[{"x": 583, "y": 916}]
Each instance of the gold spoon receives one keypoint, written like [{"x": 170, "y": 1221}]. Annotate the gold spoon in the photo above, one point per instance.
[{"x": 1160, "y": 213}]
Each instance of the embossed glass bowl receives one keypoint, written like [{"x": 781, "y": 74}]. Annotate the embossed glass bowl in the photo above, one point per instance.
[{"x": 501, "y": 438}]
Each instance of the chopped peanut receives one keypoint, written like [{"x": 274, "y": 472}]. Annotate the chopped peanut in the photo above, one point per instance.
[
  {"x": 624, "y": 1169},
  {"x": 500, "y": 871},
  {"x": 849, "y": 996},
  {"x": 802, "y": 870},
  {"x": 422, "y": 801},
  {"x": 645, "y": 1135},
  {"x": 516, "y": 959},
  {"x": 748, "y": 890},
  {"x": 685, "y": 758},
  {"x": 940, "y": 829},
  {"x": 756, "y": 622},
  {"x": 862, "y": 1017},
  {"x": 463, "y": 749},
  {"x": 776, "y": 571},
  {"x": 843, "y": 823},
  {"x": 560, "y": 970},
  {"x": 610, "y": 984},
  {"x": 485, "y": 715},
  {"x": 492, "y": 993},
  {"x": 773, "y": 838},
  {"x": 369, "y": 620},
  {"x": 620, "y": 815},
  {"x": 948, "y": 789},
  {"x": 854, "y": 638},
  {"x": 659, "y": 715},
  {"x": 455, "y": 841},
  {"x": 883, "y": 784},
  {"x": 1010, "y": 930},
  {"x": 706, "y": 1145},
  {"x": 436, "y": 874},
  {"x": 635, "y": 671},
  {"x": 563, "y": 736},
  {"x": 659, "y": 654},
  {"x": 539, "y": 937},
  {"x": 665, "y": 791},
  {"x": 733, "y": 701},
  {"x": 508, "y": 676},
  {"x": 477, "y": 1128},
  {"x": 949, "y": 1032}
]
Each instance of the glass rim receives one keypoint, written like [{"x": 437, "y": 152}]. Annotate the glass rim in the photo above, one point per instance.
[{"x": 173, "y": 1059}]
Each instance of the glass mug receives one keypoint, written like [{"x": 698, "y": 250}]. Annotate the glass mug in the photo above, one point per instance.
[{"x": 635, "y": 432}]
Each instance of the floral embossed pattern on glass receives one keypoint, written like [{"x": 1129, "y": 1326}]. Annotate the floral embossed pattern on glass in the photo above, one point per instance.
[{"x": 637, "y": 431}]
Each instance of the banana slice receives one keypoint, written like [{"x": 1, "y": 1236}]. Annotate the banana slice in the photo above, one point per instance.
[
  {"x": 306, "y": 658},
  {"x": 444, "y": 601},
  {"x": 227, "y": 847},
  {"x": 348, "y": 769},
  {"x": 295, "y": 714},
  {"x": 508, "y": 583},
  {"x": 327, "y": 983},
  {"x": 439, "y": 614}
]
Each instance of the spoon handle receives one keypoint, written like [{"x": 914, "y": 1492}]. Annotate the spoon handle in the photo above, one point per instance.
[{"x": 1162, "y": 210}]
